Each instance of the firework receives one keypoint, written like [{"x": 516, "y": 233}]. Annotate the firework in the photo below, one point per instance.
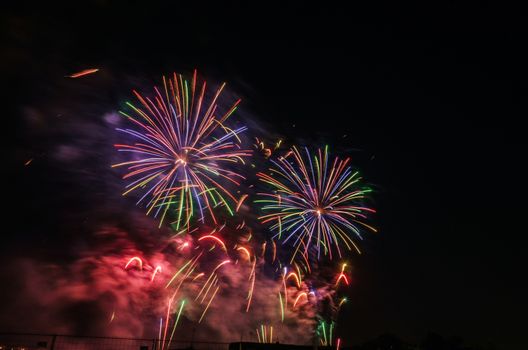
[
  {"x": 136, "y": 260},
  {"x": 184, "y": 162},
  {"x": 83, "y": 73},
  {"x": 302, "y": 294},
  {"x": 156, "y": 270},
  {"x": 325, "y": 332},
  {"x": 265, "y": 335},
  {"x": 342, "y": 276},
  {"x": 266, "y": 151},
  {"x": 315, "y": 202},
  {"x": 182, "y": 151}
]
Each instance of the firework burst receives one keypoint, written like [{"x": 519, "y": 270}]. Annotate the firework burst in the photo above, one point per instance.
[
  {"x": 182, "y": 151},
  {"x": 315, "y": 202}
]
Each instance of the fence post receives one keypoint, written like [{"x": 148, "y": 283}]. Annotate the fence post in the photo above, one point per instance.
[
  {"x": 53, "y": 338},
  {"x": 153, "y": 344}
]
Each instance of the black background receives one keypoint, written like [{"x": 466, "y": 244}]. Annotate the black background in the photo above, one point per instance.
[{"x": 431, "y": 100}]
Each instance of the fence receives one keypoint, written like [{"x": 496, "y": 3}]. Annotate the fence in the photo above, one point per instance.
[{"x": 29, "y": 341}]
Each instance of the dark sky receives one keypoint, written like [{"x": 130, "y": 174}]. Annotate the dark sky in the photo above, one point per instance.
[{"x": 431, "y": 100}]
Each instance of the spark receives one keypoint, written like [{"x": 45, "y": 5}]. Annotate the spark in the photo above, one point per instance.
[
  {"x": 156, "y": 270},
  {"x": 159, "y": 336},
  {"x": 342, "y": 276},
  {"x": 295, "y": 277},
  {"x": 215, "y": 239},
  {"x": 209, "y": 303},
  {"x": 281, "y": 307},
  {"x": 192, "y": 261},
  {"x": 83, "y": 73},
  {"x": 240, "y": 201},
  {"x": 137, "y": 260},
  {"x": 252, "y": 277},
  {"x": 343, "y": 300},
  {"x": 201, "y": 274},
  {"x": 245, "y": 251},
  {"x": 302, "y": 294},
  {"x": 176, "y": 323}
]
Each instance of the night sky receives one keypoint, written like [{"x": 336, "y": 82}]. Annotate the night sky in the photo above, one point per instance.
[{"x": 428, "y": 101}]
